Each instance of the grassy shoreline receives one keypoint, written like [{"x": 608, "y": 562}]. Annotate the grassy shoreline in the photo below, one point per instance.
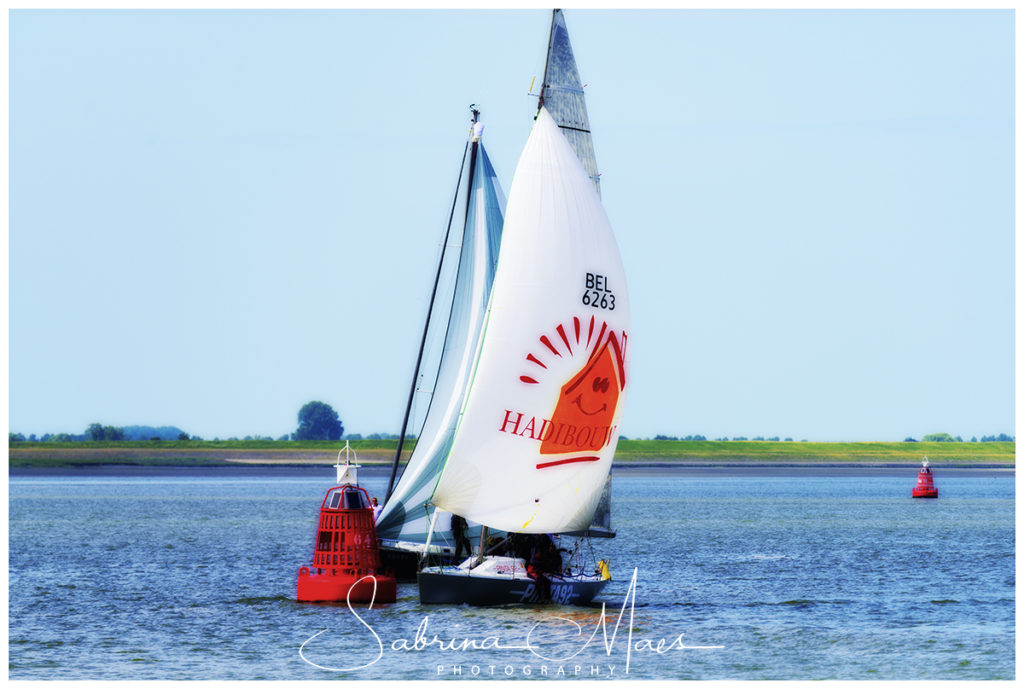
[{"x": 381, "y": 452}]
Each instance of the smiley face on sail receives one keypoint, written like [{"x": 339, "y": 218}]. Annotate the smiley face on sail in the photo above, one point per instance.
[
  {"x": 587, "y": 404},
  {"x": 582, "y": 422}
]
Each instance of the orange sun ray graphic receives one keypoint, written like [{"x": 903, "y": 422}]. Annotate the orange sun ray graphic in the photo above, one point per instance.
[{"x": 588, "y": 400}]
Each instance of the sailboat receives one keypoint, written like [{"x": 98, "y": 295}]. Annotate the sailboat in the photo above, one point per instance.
[
  {"x": 523, "y": 421},
  {"x": 533, "y": 447}
]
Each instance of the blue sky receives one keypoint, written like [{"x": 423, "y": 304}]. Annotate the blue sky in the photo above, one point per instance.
[{"x": 216, "y": 217}]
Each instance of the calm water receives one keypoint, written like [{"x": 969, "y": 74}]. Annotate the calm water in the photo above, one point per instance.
[{"x": 806, "y": 577}]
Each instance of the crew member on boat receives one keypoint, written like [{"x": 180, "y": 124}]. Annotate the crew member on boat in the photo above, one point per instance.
[
  {"x": 546, "y": 560},
  {"x": 459, "y": 535}
]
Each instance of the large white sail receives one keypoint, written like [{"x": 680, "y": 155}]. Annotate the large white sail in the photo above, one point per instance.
[
  {"x": 535, "y": 442},
  {"x": 405, "y": 517}
]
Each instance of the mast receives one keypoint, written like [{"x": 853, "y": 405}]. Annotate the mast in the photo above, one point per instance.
[
  {"x": 470, "y": 146},
  {"x": 483, "y": 546},
  {"x": 474, "y": 144}
]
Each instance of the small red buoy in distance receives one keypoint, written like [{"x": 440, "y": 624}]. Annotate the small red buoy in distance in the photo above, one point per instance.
[
  {"x": 346, "y": 560},
  {"x": 925, "y": 487}
]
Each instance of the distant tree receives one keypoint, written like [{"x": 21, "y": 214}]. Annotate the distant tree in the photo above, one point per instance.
[
  {"x": 937, "y": 438},
  {"x": 284, "y": 437},
  {"x": 974, "y": 438},
  {"x": 959, "y": 439},
  {"x": 318, "y": 421},
  {"x": 739, "y": 437},
  {"x": 759, "y": 438},
  {"x": 94, "y": 432},
  {"x": 1001, "y": 438},
  {"x": 788, "y": 440},
  {"x": 774, "y": 439},
  {"x": 909, "y": 440},
  {"x": 354, "y": 436},
  {"x": 15, "y": 438},
  {"x": 147, "y": 432},
  {"x": 183, "y": 436}
]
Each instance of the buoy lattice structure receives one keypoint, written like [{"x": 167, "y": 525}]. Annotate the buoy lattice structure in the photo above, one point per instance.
[{"x": 346, "y": 560}]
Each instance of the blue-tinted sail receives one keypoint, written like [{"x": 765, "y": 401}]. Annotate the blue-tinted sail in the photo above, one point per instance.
[
  {"x": 562, "y": 95},
  {"x": 404, "y": 516}
]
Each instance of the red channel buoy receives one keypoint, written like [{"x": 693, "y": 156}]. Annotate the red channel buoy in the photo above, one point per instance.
[
  {"x": 346, "y": 560},
  {"x": 925, "y": 487}
]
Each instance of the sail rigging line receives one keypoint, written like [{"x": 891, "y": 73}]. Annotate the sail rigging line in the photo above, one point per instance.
[{"x": 426, "y": 325}]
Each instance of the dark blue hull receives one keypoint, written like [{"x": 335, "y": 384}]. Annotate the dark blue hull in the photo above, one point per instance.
[{"x": 456, "y": 588}]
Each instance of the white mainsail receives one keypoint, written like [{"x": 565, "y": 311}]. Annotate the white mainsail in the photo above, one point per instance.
[{"x": 538, "y": 430}]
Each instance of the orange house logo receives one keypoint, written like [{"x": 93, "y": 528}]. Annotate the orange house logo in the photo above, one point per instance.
[{"x": 581, "y": 422}]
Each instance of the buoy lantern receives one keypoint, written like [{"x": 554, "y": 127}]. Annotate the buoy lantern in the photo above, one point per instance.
[
  {"x": 925, "y": 487},
  {"x": 346, "y": 559}
]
